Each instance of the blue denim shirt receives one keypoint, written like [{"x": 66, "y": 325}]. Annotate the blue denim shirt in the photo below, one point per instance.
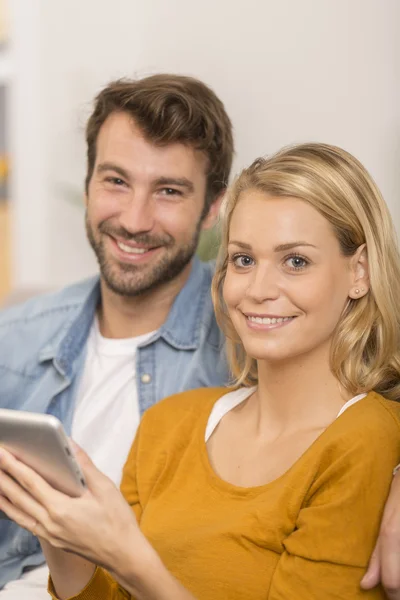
[{"x": 42, "y": 353}]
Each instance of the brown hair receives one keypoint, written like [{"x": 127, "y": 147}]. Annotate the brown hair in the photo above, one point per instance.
[
  {"x": 170, "y": 108},
  {"x": 365, "y": 350}
]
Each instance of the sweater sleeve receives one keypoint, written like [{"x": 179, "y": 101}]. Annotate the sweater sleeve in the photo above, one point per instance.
[
  {"x": 327, "y": 554},
  {"x": 102, "y": 586}
]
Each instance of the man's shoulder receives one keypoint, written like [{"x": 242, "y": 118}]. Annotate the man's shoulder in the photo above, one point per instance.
[
  {"x": 202, "y": 273},
  {"x": 209, "y": 266},
  {"x": 214, "y": 337},
  {"x": 46, "y": 306},
  {"x": 191, "y": 322},
  {"x": 207, "y": 270}
]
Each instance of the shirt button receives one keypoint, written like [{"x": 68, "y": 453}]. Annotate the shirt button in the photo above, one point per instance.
[{"x": 146, "y": 378}]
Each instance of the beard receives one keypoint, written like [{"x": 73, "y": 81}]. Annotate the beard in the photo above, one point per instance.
[{"x": 131, "y": 280}]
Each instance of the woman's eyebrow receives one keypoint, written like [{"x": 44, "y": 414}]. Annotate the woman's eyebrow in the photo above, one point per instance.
[
  {"x": 240, "y": 244},
  {"x": 291, "y": 245},
  {"x": 280, "y": 248}
]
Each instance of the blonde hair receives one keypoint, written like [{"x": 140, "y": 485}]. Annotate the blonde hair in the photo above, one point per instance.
[{"x": 365, "y": 350}]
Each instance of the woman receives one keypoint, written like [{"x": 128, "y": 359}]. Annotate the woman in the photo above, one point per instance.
[{"x": 274, "y": 488}]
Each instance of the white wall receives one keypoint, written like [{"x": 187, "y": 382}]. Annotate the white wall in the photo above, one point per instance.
[{"x": 288, "y": 71}]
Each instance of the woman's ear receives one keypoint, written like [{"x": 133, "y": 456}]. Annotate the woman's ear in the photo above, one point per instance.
[{"x": 360, "y": 273}]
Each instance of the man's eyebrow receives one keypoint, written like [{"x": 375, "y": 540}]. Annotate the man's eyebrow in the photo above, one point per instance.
[
  {"x": 107, "y": 166},
  {"x": 176, "y": 181},
  {"x": 280, "y": 248},
  {"x": 182, "y": 182}
]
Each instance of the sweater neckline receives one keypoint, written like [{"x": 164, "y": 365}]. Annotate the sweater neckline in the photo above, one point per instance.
[{"x": 252, "y": 491}]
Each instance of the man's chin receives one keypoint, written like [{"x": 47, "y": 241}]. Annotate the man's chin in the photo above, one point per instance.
[
  {"x": 137, "y": 279},
  {"x": 127, "y": 285}
]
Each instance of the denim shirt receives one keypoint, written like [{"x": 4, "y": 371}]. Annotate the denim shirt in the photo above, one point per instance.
[{"x": 42, "y": 354}]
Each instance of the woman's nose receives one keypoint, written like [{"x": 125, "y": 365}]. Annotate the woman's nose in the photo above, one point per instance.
[{"x": 263, "y": 284}]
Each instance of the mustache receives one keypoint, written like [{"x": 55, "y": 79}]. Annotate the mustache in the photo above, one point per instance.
[{"x": 144, "y": 238}]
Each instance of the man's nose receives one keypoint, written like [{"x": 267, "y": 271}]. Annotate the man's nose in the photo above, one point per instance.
[{"x": 138, "y": 213}]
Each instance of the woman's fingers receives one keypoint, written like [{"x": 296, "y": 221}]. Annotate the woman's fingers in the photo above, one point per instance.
[
  {"x": 19, "y": 498},
  {"x": 26, "y": 511},
  {"x": 21, "y": 518},
  {"x": 26, "y": 477},
  {"x": 67, "y": 523}
]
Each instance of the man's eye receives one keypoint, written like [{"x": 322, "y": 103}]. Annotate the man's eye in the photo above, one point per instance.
[
  {"x": 115, "y": 181},
  {"x": 242, "y": 261},
  {"x": 170, "y": 192}
]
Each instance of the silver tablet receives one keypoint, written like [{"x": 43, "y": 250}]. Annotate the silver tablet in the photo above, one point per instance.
[{"x": 40, "y": 442}]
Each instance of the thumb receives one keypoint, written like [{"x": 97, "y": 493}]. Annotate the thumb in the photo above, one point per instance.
[
  {"x": 95, "y": 479},
  {"x": 81, "y": 456},
  {"x": 373, "y": 574}
]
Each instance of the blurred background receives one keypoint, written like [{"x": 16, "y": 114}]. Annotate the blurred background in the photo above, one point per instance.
[{"x": 287, "y": 71}]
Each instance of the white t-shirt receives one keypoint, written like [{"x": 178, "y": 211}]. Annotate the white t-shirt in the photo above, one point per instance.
[
  {"x": 104, "y": 424},
  {"x": 107, "y": 410}
]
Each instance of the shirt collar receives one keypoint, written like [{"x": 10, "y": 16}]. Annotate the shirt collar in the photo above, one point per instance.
[
  {"x": 181, "y": 329},
  {"x": 71, "y": 338},
  {"x": 183, "y": 325}
]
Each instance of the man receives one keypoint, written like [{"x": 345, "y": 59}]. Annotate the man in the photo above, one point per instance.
[{"x": 99, "y": 353}]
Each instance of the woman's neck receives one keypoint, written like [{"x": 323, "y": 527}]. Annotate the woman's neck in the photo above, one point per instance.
[{"x": 297, "y": 394}]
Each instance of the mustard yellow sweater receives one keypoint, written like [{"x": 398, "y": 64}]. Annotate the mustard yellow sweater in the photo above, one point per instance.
[{"x": 307, "y": 535}]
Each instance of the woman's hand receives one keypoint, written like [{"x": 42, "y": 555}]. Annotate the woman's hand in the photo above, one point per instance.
[{"x": 99, "y": 526}]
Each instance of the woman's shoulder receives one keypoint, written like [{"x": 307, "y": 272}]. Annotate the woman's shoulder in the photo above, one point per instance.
[
  {"x": 366, "y": 428},
  {"x": 356, "y": 453},
  {"x": 389, "y": 408},
  {"x": 373, "y": 412}
]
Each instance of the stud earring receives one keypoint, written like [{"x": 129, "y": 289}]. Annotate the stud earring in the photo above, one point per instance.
[{"x": 357, "y": 291}]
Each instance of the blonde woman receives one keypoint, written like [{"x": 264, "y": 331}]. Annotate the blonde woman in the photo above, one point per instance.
[{"x": 273, "y": 489}]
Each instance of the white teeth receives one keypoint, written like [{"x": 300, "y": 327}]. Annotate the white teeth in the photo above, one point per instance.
[
  {"x": 131, "y": 250},
  {"x": 268, "y": 321}
]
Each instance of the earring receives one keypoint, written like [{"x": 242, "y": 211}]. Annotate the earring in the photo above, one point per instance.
[{"x": 357, "y": 291}]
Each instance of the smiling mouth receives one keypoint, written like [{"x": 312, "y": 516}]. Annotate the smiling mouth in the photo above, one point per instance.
[
  {"x": 268, "y": 320},
  {"x": 133, "y": 249}
]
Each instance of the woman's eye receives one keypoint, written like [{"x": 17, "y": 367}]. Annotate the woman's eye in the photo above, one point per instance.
[
  {"x": 297, "y": 262},
  {"x": 242, "y": 261}
]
